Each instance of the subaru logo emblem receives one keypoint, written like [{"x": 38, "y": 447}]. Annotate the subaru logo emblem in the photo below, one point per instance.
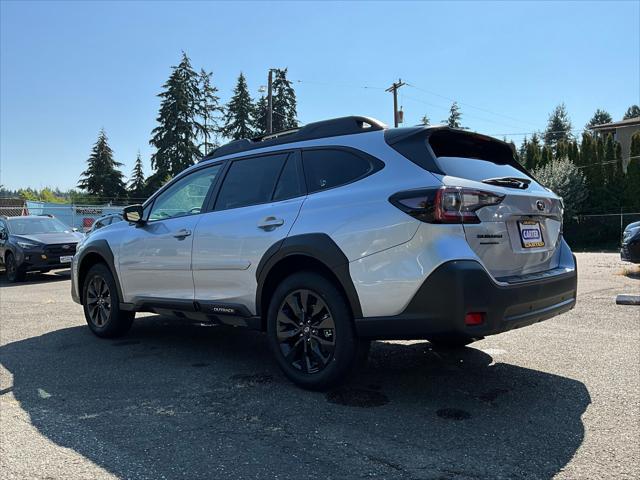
[
  {"x": 540, "y": 205},
  {"x": 66, "y": 247}
]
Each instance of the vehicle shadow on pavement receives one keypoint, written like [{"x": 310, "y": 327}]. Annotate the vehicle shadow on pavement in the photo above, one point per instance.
[
  {"x": 35, "y": 278},
  {"x": 185, "y": 400}
]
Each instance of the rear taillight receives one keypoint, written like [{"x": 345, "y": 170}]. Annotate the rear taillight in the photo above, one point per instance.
[{"x": 445, "y": 204}]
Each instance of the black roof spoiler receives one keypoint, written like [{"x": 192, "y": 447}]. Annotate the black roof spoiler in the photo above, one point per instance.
[{"x": 325, "y": 128}]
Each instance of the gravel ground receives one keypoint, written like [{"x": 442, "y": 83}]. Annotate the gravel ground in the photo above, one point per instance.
[{"x": 560, "y": 399}]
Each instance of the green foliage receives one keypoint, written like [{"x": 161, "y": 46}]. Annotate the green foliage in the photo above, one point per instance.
[
  {"x": 425, "y": 120},
  {"x": 284, "y": 102},
  {"x": 260, "y": 112},
  {"x": 102, "y": 178},
  {"x": 566, "y": 180},
  {"x": 558, "y": 127},
  {"x": 600, "y": 117},
  {"x": 238, "y": 120},
  {"x": 454, "y": 116},
  {"x": 137, "y": 182},
  {"x": 176, "y": 136},
  {"x": 631, "y": 187},
  {"x": 208, "y": 111},
  {"x": 632, "y": 112}
]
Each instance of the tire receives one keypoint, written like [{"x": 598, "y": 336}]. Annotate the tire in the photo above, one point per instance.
[
  {"x": 14, "y": 273},
  {"x": 452, "y": 341},
  {"x": 102, "y": 305},
  {"x": 314, "y": 341}
]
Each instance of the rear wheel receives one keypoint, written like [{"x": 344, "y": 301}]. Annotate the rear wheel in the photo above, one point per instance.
[
  {"x": 102, "y": 305},
  {"x": 311, "y": 331},
  {"x": 14, "y": 273}
]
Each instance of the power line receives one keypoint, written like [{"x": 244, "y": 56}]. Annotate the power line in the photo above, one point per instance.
[
  {"x": 467, "y": 104},
  {"x": 344, "y": 85}
]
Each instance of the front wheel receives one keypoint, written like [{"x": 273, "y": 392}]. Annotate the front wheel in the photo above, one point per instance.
[
  {"x": 102, "y": 306},
  {"x": 311, "y": 333},
  {"x": 14, "y": 273}
]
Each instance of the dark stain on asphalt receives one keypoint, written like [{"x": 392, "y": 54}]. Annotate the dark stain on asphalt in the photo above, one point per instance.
[
  {"x": 357, "y": 397},
  {"x": 453, "y": 414},
  {"x": 125, "y": 343},
  {"x": 491, "y": 395},
  {"x": 198, "y": 365},
  {"x": 251, "y": 380}
]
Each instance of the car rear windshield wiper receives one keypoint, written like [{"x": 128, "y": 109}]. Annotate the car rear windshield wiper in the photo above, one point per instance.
[{"x": 511, "y": 182}]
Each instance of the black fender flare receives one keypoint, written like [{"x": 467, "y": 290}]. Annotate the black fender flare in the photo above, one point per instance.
[
  {"x": 102, "y": 249},
  {"x": 318, "y": 246}
]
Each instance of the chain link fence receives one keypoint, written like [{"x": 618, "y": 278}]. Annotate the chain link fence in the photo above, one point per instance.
[{"x": 76, "y": 216}]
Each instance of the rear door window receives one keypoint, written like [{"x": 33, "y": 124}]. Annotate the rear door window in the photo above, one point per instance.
[
  {"x": 328, "y": 168},
  {"x": 250, "y": 181},
  {"x": 290, "y": 181}
]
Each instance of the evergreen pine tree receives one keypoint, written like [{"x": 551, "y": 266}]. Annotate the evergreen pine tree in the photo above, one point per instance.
[
  {"x": 558, "y": 127},
  {"x": 176, "y": 136},
  {"x": 284, "y": 103},
  {"x": 454, "y": 116},
  {"x": 260, "y": 111},
  {"x": 632, "y": 112},
  {"x": 137, "y": 182},
  {"x": 546, "y": 156},
  {"x": 208, "y": 110},
  {"x": 102, "y": 177},
  {"x": 631, "y": 187},
  {"x": 425, "y": 120},
  {"x": 533, "y": 153},
  {"x": 600, "y": 117},
  {"x": 239, "y": 117}
]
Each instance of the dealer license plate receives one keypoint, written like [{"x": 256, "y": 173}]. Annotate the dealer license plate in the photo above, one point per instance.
[
  {"x": 530, "y": 234},
  {"x": 66, "y": 259}
]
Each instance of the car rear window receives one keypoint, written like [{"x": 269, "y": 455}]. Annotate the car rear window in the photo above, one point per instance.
[{"x": 459, "y": 154}]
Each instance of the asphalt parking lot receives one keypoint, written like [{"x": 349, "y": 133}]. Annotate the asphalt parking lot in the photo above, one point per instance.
[{"x": 560, "y": 399}]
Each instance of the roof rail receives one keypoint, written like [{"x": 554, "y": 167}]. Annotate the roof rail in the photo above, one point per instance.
[{"x": 325, "y": 128}]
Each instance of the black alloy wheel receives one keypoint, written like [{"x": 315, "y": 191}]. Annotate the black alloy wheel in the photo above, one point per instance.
[
  {"x": 98, "y": 301},
  {"x": 311, "y": 331},
  {"x": 14, "y": 274},
  {"x": 102, "y": 304},
  {"x": 306, "y": 331}
]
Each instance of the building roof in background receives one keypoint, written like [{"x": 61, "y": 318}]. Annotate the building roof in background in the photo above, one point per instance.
[{"x": 622, "y": 123}]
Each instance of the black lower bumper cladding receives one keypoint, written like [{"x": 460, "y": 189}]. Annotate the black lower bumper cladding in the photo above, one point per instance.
[{"x": 460, "y": 287}]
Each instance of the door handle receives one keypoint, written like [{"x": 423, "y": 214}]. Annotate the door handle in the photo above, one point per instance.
[
  {"x": 270, "y": 223},
  {"x": 182, "y": 234}
]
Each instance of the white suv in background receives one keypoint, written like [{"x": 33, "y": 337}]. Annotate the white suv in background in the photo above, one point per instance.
[{"x": 335, "y": 234}]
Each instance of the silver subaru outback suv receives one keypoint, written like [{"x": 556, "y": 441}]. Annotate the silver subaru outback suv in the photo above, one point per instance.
[{"x": 336, "y": 234}]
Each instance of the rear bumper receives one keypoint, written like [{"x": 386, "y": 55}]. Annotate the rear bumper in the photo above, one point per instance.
[{"x": 460, "y": 287}]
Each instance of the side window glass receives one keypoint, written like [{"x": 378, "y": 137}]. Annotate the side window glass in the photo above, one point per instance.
[
  {"x": 186, "y": 196},
  {"x": 329, "y": 168},
  {"x": 289, "y": 182},
  {"x": 250, "y": 181}
]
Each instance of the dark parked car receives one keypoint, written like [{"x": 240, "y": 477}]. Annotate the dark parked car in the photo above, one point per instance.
[
  {"x": 35, "y": 244},
  {"x": 630, "y": 250},
  {"x": 104, "y": 221}
]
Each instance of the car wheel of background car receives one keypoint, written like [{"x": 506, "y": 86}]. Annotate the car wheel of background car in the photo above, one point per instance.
[
  {"x": 311, "y": 331},
  {"x": 452, "y": 341},
  {"x": 102, "y": 305},
  {"x": 14, "y": 273}
]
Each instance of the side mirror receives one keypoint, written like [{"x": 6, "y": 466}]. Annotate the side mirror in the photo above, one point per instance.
[
  {"x": 133, "y": 214},
  {"x": 3, "y": 235}
]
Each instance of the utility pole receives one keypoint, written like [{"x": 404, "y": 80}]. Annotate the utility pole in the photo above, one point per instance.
[
  {"x": 270, "y": 102},
  {"x": 394, "y": 89}
]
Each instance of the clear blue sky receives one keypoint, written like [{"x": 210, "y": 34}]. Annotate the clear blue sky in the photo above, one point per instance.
[{"x": 68, "y": 69}]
